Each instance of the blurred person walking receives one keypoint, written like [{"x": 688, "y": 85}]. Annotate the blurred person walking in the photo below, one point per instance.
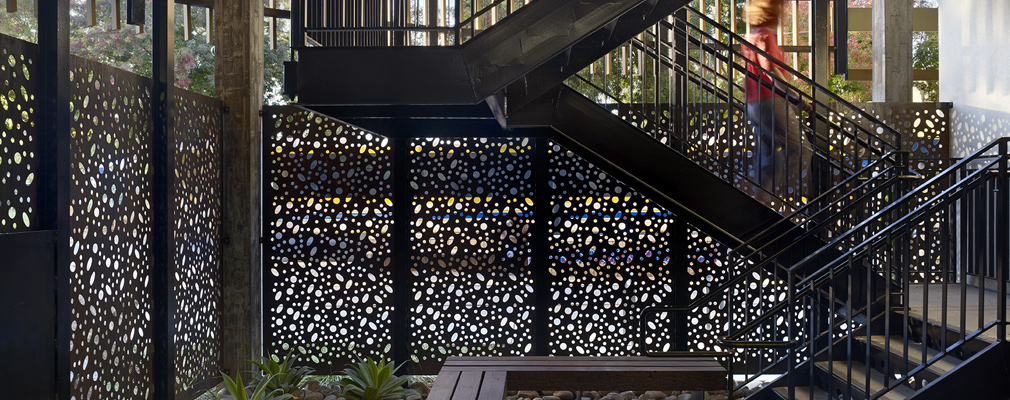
[{"x": 782, "y": 153}]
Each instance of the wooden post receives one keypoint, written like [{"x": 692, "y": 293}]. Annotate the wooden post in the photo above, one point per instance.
[{"x": 239, "y": 85}]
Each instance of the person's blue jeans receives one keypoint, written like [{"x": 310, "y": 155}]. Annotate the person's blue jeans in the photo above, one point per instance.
[{"x": 783, "y": 153}]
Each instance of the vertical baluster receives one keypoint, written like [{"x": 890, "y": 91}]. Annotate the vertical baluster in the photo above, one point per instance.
[
  {"x": 980, "y": 220},
  {"x": 1002, "y": 243},
  {"x": 870, "y": 290},
  {"x": 790, "y": 321},
  {"x": 945, "y": 277},
  {"x": 795, "y": 31},
  {"x": 849, "y": 341},
  {"x": 963, "y": 259}
]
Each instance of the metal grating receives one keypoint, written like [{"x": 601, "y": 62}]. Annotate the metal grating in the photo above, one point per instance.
[
  {"x": 197, "y": 232},
  {"x": 470, "y": 249},
  {"x": 111, "y": 302},
  {"x": 327, "y": 215},
  {"x": 18, "y": 161},
  {"x": 610, "y": 249}
]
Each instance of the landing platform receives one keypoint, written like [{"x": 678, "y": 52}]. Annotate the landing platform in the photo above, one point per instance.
[{"x": 928, "y": 301}]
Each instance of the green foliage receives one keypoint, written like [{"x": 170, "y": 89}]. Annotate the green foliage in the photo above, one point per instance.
[
  {"x": 129, "y": 48},
  {"x": 926, "y": 55},
  {"x": 369, "y": 380},
  {"x": 260, "y": 391},
  {"x": 281, "y": 376}
]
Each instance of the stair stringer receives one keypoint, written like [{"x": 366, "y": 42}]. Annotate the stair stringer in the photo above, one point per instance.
[
  {"x": 659, "y": 172},
  {"x": 984, "y": 375}
]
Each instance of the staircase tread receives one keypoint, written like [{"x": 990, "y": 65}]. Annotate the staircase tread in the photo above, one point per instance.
[
  {"x": 803, "y": 392},
  {"x": 840, "y": 370},
  {"x": 941, "y": 366}
]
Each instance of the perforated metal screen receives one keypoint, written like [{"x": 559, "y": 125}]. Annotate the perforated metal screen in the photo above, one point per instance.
[{"x": 474, "y": 278}]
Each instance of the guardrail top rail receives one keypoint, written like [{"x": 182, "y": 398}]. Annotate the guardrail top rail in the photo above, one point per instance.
[{"x": 342, "y": 23}]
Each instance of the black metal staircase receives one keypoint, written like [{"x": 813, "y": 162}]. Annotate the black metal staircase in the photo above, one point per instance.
[{"x": 838, "y": 319}]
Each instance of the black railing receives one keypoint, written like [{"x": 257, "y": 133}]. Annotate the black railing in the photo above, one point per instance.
[
  {"x": 687, "y": 89},
  {"x": 341, "y": 23},
  {"x": 757, "y": 273},
  {"x": 964, "y": 211}
]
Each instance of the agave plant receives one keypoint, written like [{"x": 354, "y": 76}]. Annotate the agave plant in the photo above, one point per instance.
[
  {"x": 281, "y": 376},
  {"x": 369, "y": 380},
  {"x": 259, "y": 391}
]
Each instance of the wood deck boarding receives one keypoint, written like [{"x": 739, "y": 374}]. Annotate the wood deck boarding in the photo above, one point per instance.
[{"x": 487, "y": 378}]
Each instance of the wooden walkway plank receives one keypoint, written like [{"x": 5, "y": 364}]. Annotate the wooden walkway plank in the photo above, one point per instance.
[
  {"x": 468, "y": 385},
  {"x": 445, "y": 384},
  {"x": 493, "y": 387},
  {"x": 580, "y": 373}
]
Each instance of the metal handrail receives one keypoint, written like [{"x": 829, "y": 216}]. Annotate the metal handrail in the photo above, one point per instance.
[
  {"x": 792, "y": 92},
  {"x": 302, "y": 13},
  {"x": 933, "y": 205},
  {"x": 817, "y": 87}
]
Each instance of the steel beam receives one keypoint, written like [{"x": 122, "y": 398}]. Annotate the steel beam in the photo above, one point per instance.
[
  {"x": 467, "y": 74},
  {"x": 54, "y": 165},
  {"x": 163, "y": 194}
]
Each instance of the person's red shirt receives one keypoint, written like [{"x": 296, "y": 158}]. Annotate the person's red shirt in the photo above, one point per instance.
[{"x": 764, "y": 39}]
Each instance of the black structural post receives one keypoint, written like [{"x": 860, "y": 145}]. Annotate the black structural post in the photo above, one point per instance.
[
  {"x": 680, "y": 70},
  {"x": 401, "y": 248},
  {"x": 841, "y": 36},
  {"x": 54, "y": 165},
  {"x": 541, "y": 247},
  {"x": 682, "y": 296},
  {"x": 162, "y": 194}
]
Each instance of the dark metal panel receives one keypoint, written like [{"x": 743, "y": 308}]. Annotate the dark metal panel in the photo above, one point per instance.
[
  {"x": 197, "y": 240},
  {"x": 110, "y": 238},
  {"x": 162, "y": 198},
  {"x": 383, "y": 75},
  {"x": 28, "y": 312}
]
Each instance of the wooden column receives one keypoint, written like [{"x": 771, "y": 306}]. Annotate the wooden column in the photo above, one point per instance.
[
  {"x": 239, "y": 84},
  {"x": 892, "y": 50}
]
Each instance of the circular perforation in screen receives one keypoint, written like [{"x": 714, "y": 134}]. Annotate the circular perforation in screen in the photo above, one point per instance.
[
  {"x": 18, "y": 161},
  {"x": 610, "y": 257},
  {"x": 328, "y": 219},
  {"x": 470, "y": 249},
  {"x": 110, "y": 214},
  {"x": 197, "y": 229}
]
